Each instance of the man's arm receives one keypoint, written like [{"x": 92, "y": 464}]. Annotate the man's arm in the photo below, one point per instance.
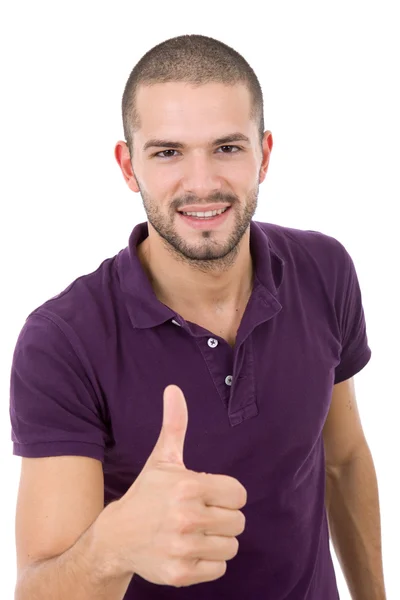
[
  {"x": 352, "y": 503},
  {"x": 81, "y": 573}
]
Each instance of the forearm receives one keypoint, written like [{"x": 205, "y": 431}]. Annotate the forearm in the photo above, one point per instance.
[
  {"x": 352, "y": 502},
  {"x": 81, "y": 573}
]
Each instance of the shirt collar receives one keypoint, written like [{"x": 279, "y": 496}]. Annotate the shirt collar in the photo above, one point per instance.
[{"x": 144, "y": 307}]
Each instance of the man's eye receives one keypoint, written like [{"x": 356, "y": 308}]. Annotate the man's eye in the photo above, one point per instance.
[
  {"x": 163, "y": 152},
  {"x": 237, "y": 148}
]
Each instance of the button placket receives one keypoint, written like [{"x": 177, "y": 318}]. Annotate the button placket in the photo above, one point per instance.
[{"x": 213, "y": 343}]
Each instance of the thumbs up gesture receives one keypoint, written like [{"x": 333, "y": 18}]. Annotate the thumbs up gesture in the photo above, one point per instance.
[{"x": 175, "y": 526}]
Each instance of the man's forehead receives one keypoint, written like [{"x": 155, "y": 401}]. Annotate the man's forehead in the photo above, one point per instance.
[{"x": 216, "y": 109}]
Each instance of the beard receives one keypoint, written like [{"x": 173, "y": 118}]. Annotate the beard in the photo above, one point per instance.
[{"x": 209, "y": 252}]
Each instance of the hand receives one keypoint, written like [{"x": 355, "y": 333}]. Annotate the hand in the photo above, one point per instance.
[{"x": 175, "y": 526}]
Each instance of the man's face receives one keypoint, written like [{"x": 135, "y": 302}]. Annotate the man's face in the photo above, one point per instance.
[{"x": 201, "y": 172}]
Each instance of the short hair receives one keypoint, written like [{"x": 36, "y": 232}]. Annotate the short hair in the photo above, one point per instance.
[{"x": 195, "y": 59}]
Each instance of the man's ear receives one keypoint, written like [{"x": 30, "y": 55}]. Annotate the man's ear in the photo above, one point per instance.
[
  {"x": 123, "y": 158},
  {"x": 266, "y": 153}
]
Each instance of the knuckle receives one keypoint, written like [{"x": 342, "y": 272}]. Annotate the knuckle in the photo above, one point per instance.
[
  {"x": 179, "y": 547},
  {"x": 241, "y": 523},
  {"x": 243, "y": 496},
  {"x": 178, "y": 576},
  {"x": 174, "y": 547},
  {"x": 187, "y": 488},
  {"x": 184, "y": 523},
  {"x": 235, "y": 547}
]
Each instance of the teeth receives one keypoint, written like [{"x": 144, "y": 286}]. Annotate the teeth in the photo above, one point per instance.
[{"x": 209, "y": 213}]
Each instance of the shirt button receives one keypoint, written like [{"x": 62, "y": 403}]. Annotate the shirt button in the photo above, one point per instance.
[
  {"x": 228, "y": 380},
  {"x": 212, "y": 342}
]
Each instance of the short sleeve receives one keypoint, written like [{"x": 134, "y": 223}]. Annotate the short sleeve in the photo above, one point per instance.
[
  {"x": 355, "y": 351},
  {"x": 54, "y": 409}
]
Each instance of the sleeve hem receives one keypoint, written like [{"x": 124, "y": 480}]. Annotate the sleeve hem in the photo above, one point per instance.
[
  {"x": 44, "y": 449},
  {"x": 353, "y": 367}
]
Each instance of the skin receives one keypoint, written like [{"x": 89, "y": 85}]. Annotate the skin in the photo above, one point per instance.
[{"x": 214, "y": 266}]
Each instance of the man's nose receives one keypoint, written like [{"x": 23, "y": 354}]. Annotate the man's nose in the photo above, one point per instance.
[{"x": 200, "y": 176}]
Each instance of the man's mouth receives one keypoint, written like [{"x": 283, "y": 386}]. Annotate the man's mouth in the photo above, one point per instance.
[
  {"x": 204, "y": 220},
  {"x": 205, "y": 215}
]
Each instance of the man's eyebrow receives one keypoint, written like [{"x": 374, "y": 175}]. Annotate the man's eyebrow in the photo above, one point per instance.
[{"x": 226, "y": 139}]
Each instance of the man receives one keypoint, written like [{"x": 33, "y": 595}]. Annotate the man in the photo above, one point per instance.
[{"x": 187, "y": 413}]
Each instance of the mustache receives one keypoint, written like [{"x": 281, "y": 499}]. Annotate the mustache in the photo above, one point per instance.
[{"x": 217, "y": 197}]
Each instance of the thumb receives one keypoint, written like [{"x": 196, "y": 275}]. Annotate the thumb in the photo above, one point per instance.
[{"x": 169, "y": 446}]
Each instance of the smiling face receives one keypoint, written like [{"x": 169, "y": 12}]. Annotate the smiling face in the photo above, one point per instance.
[{"x": 197, "y": 146}]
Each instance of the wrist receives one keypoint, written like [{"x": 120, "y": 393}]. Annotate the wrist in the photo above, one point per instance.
[{"x": 105, "y": 558}]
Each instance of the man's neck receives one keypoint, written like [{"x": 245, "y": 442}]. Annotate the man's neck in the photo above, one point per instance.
[{"x": 181, "y": 287}]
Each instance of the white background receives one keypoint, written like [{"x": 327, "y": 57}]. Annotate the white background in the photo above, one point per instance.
[{"x": 330, "y": 78}]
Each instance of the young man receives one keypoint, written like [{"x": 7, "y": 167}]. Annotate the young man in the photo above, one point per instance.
[{"x": 192, "y": 401}]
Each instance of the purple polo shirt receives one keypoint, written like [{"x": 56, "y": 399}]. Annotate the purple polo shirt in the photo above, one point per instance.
[{"x": 90, "y": 366}]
